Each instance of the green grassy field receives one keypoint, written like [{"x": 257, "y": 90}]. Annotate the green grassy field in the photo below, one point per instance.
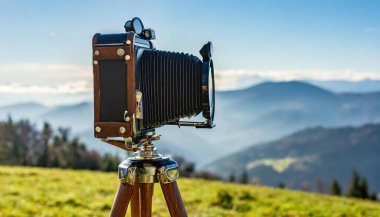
[{"x": 53, "y": 192}]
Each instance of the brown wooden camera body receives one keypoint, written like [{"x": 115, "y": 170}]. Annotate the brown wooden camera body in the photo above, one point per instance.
[
  {"x": 131, "y": 77},
  {"x": 125, "y": 53}
]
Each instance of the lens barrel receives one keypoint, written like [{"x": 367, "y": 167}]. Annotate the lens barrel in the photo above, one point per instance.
[{"x": 171, "y": 85}]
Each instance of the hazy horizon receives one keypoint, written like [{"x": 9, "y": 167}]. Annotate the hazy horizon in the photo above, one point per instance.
[{"x": 335, "y": 86}]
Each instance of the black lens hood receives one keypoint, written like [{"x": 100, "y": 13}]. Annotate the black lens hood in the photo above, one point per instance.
[{"x": 208, "y": 94}]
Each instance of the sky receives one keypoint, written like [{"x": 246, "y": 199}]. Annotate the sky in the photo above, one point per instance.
[{"x": 45, "y": 46}]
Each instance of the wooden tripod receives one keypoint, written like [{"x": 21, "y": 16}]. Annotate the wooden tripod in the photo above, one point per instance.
[
  {"x": 140, "y": 196},
  {"x": 138, "y": 175}
]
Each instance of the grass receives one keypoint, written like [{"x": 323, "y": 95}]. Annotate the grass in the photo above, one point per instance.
[{"x": 28, "y": 191}]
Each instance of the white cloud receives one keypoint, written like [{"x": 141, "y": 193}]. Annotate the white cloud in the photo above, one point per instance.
[
  {"x": 34, "y": 73},
  {"x": 46, "y": 83},
  {"x": 65, "y": 88},
  {"x": 243, "y": 78}
]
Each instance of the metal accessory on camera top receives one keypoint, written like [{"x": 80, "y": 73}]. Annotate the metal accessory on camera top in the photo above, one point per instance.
[
  {"x": 138, "y": 88},
  {"x": 135, "y": 25}
]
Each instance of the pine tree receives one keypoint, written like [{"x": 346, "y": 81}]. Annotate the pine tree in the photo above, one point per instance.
[
  {"x": 46, "y": 134},
  {"x": 358, "y": 187},
  {"x": 363, "y": 187},
  {"x": 232, "y": 177},
  {"x": 354, "y": 188},
  {"x": 373, "y": 196},
  {"x": 335, "y": 188},
  {"x": 281, "y": 185},
  {"x": 244, "y": 178}
]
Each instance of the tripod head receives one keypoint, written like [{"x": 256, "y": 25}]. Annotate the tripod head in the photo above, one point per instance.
[
  {"x": 143, "y": 141},
  {"x": 145, "y": 147}
]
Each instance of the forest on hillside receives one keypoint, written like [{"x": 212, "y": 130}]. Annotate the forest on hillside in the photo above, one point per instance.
[{"x": 21, "y": 143}]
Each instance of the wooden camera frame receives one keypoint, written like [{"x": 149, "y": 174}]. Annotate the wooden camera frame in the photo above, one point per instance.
[{"x": 123, "y": 49}]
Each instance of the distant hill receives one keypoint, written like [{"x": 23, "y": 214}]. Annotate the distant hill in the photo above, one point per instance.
[
  {"x": 79, "y": 117},
  {"x": 271, "y": 110},
  {"x": 339, "y": 86},
  {"x": 310, "y": 156},
  {"x": 27, "y": 110},
  {"x": 264, "y": 112}
]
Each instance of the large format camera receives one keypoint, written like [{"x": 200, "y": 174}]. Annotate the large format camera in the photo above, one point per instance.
[{"x": 138, "y": 88}]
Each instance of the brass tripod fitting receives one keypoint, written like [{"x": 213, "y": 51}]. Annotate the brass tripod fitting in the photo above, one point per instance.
[
  {"x": 134, "y": 170},
  {"x": 128, "y": 176},
  {"x": 168, "y": 174}
]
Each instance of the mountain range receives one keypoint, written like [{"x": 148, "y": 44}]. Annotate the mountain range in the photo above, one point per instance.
[
  {"x": 341, "y": 86},
  {"x": 310, "y": 159},
  {"x": 264, "y": 112}
]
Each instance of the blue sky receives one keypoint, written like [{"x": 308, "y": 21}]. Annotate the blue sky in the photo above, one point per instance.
[{"x": 46, "y": 45}]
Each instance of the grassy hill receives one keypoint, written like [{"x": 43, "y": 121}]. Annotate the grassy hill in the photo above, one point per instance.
[{"x": 53, "y": 192}]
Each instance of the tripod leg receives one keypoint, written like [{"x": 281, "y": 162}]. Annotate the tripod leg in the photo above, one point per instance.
[
  {"x": 173, "y": 199},
  {"x": 122, "y": 199},
  {"x": 135, "y": 203},
  {"x": 146, "y": 199}
]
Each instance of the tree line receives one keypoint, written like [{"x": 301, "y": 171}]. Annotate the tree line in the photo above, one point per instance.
[
  {"x": 21, "y": 143},
  {"x": 358, "y": 186}
]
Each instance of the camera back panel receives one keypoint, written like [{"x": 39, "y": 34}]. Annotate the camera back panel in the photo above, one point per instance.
[{"x": 113, "y": 90}]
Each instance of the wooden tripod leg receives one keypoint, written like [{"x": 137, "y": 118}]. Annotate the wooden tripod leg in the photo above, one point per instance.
[
  {"x": 173, "y": 199},
  {"x": 122, "y": 199},
  {"x": 146, "y": 193},
  {"x": 135, "y": 202}
]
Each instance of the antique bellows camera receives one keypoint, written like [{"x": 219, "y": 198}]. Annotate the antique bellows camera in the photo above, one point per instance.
[{"x": 138, "y": 88}]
